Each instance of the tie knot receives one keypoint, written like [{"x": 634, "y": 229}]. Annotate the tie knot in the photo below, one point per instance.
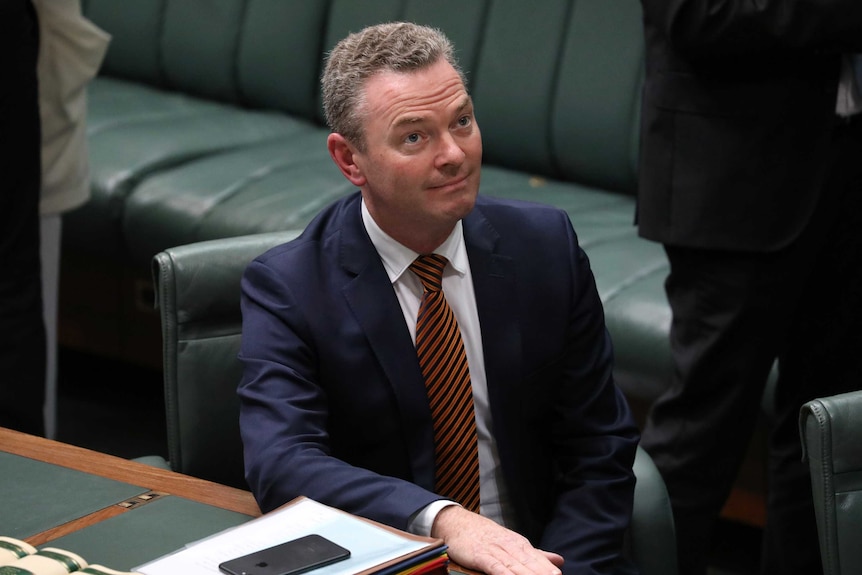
[{"x": 429, "y": 268}]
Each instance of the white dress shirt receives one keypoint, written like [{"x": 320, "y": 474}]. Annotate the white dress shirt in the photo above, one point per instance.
[{"x": 458, "y": 290}]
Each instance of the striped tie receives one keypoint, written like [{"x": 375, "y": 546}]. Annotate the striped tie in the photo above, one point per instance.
[{"x": 447, "y": 379}]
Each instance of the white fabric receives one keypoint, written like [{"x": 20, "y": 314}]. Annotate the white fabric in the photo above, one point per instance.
[
  {"x": 458, "y": 289},
  {"x": 850, "y": 88},
  {"x": 71, "y": 49}
]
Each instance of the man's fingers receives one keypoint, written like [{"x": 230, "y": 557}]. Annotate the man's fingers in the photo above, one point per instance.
[
  {"x": 554, "y": 558},
  {"x": 520, "y": 560},
  {"x": 478, "y": 543}
]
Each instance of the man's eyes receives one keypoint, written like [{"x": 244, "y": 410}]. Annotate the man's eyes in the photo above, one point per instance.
[{"x": 415, "y": 137}]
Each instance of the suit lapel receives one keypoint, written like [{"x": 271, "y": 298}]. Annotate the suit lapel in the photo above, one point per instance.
[
  {"x": 370, "y": 296},
  {"x": 494, "y": 282}
]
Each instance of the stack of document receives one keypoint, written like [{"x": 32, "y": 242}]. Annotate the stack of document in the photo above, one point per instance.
[{"x": 374, "y": 548}]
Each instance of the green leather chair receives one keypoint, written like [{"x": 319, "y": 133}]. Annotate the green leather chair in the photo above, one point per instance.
[
  {"x": 831, "y": 433},
  {"x": 197, "y": 287},
  {"x": 197, "y": 293}
]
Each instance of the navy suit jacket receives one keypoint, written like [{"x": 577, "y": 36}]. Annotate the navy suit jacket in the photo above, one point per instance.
[
  {"x": 738, "y": 111},
  {"x": 333, "y": 404}
]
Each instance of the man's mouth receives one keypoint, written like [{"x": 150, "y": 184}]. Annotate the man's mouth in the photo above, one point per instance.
[{"x": 454, "y": 183}]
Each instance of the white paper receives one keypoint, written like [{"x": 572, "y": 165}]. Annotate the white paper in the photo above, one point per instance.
[{"x": 369, "y": 544}]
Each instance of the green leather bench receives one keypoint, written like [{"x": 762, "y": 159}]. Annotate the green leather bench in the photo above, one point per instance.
[{"x": 205, "y": 123}]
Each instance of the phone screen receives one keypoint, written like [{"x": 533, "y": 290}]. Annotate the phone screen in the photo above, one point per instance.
[{"x": 289, "y": 558}]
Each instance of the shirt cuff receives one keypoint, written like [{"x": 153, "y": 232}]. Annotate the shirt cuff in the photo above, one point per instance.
[{"x": 424, "y": 519}]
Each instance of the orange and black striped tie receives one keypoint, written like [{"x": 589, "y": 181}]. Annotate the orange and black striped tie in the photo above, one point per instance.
[{"x": 447, "y": 378}]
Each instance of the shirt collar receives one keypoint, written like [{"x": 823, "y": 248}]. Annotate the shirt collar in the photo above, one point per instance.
[{"x": 397, "y": 257}]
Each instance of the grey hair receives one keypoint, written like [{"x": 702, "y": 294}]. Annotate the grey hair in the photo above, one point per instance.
[{"x": 394, "y": 46}]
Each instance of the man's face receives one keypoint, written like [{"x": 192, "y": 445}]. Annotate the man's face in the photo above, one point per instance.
[{"x": 421, "y": 164}]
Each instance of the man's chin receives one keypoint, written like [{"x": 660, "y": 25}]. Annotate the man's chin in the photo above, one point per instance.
[{"x": 463, "y": 203}]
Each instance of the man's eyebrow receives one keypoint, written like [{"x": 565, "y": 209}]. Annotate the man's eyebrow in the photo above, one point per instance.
[
  {"x": 408, "y": 120},
  {"x": 465, "y": 103}
]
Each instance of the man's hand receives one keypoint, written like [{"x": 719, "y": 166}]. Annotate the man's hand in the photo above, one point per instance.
[{"x": 478, "y": 543}]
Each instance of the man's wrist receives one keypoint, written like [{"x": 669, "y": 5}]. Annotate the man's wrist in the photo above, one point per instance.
[{"x": 423, "y": 521}]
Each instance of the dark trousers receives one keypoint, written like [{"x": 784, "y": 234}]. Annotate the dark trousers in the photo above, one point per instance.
[
  {"x": 734, "y": 314},
  {"x": 22, "y": 330}
]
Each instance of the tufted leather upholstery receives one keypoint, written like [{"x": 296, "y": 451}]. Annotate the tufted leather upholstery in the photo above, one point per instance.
[
  {"x": 831, "y": 432},
  {"x": 198, "y": 292}
]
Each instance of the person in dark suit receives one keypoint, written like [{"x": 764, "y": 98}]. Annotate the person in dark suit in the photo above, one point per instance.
[
  {"x": 22, "y": 329},
  {"x": 751, "y": 177},
  {"x": 333, "y": 401}
]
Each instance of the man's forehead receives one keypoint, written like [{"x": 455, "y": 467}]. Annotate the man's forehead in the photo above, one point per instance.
[{"x": 390, "y": 91}]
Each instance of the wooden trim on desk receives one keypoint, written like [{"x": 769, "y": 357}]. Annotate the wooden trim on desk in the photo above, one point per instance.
[
  {"x": 119, "y": 469},
  {"x": 74, "y": 525}
]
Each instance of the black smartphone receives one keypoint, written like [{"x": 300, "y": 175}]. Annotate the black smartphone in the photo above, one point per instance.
[{"x": 289, "y": 558}]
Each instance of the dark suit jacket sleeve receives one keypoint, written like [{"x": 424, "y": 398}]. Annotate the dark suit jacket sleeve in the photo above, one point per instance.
[
  {"x": 744, "y": 27},
  {"x": 593, "y": 435},
  {"x": 288, "y": 420}
]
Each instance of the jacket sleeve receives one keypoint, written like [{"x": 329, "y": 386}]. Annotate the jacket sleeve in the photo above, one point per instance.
[
  {"x": 703, "y": 28},
  {"x": 594, "y": 438}
]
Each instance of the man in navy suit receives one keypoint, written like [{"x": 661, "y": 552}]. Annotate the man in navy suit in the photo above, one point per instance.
[
  {"x": 334, "y": 406},
  {"x": 751, "y": 177}
]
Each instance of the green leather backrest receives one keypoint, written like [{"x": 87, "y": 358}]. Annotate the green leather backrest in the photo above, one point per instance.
[
  {"x": 515, "y": 81},
  {"x": 197, "y": 290},
  {"x": 595, "y": 115},
  {"x": 259, "y": 53},
  {"x": 831, "y": 432},
  {"x": 135, "y": 27},
  {"x": 199, "y": 44},
  {"x": 557, "y": 89},
  {"x": 278, "y": 63}
]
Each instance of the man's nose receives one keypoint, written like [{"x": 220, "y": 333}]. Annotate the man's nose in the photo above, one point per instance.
[{"x": 450, "y": 151}]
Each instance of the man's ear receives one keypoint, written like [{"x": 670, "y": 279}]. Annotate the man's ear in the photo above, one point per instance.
[{"x": 343, "y": 154}]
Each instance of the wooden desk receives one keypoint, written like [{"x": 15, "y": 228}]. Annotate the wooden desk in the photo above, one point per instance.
[{"x": 159, "y": 482}]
